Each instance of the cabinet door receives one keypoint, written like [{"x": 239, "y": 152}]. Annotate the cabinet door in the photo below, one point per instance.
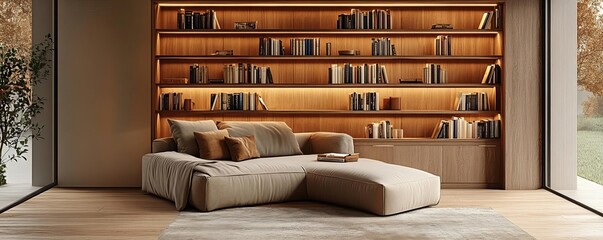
[
  {"x": 426, "y": 158},
  {"x": 471, "y": 164},
  {"x": 381, "y": 152}
]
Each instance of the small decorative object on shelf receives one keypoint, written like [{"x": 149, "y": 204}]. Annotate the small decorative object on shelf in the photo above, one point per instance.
[
  {"x": 434, "y": 74},
  {"x": 223, "y": 53},
  {"x": 328, "y": 49},
  {"x": 382, "y": 47},
  {"x": 441, "y": 26},
  {"x": 235, "y": 101},
  {"x": 459, "y": 128},
  {"x": 171, "y": 101},
  {"x": 188, "y": 104},
  {"x": 476, "y": 101},
  {"x": 405, "y": 81},
  {"x": 492, "y": 74},
  {"x": 174, "y": 80},
  {"x": 247, "y": 74},
  {"x": 271, "y": 47},
  {"x": 304, "y": 46},
  {"x": 368, "y": 101},
  {"x": 245, "y": 25},
  {"x": 381, "y": 129},
  {"x": 187, "y": 19},
  {"x": 392, "y": 103},
  {"x": 373, "y": 19},
  {"x": 442, "y": 45},
  {"x": 198, "y": 74},
  {"x": 361, "y": 74},
  {"x": 349, "y": 52}
]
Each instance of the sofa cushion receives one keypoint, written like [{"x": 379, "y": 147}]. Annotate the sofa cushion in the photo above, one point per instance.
[
  {"x": 372, "y": 186},
  {"x": 182, "y": 131},
  {"x": 242, "y": 148},
  {"x": 272, "y": 138},
  {"x": 212, "y": 145}
]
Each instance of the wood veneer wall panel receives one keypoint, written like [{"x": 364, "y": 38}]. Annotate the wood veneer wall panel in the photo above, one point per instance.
[{"x": 522, "y": 89}]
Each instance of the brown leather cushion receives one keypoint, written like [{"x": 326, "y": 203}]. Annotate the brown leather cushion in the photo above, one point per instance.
[
  {"x": 242, "y": 148},
  {"x": 212, "y": 145}
]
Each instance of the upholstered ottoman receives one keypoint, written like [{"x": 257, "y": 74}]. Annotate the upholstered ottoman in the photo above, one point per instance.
[{"x": 372, "y": 186}]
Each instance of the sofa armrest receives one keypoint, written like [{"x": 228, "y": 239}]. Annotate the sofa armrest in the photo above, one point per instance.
[
  {"x": 327, "y": 142},
  {"x": 163, "y": 145}
]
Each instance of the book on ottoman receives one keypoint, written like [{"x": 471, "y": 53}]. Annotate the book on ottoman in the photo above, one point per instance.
[{"x": 338, "y": 157}]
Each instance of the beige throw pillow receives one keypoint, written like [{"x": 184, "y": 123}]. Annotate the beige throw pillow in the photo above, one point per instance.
[
  {"x": 272, "y": 138},
  {"x": 212, "y": 145},
  {"x": 242, "y": 148},
  {"x": 182, "y": 132}
]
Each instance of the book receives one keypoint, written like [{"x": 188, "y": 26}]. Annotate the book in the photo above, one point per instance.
[
  {"x": 261, "y": 100},
  {"x": 338, "y": 157},
  {"x": 174, "y": 81}
]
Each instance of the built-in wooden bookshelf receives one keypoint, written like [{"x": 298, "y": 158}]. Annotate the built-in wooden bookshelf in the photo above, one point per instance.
[{"x": 301, "y": 94}]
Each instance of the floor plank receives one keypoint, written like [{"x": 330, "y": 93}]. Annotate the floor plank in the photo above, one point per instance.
[{"x": 129, "y": 214}]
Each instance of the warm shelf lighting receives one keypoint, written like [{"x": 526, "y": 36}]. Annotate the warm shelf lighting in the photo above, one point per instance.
[
  {"x": 313, "y": 4},
  {"x": 333, "y": 32}
]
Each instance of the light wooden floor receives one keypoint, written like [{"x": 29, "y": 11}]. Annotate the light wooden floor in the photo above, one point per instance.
[
  {"x": 12, "y": 192},
  {"x": 129, "y": 214}
]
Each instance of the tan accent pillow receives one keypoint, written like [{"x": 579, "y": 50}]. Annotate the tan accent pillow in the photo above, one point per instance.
[
  {"x": 272, "y": 138},
  {"x": 182, "y": 132},
  {"x": 242, "y": 148},
  {"x": 212, "y": 145}
]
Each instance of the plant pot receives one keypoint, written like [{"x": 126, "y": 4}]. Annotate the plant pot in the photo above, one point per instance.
[{"x": 2, "y": 174}]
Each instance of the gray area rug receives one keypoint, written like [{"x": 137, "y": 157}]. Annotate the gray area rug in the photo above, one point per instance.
[{"x": 320, "y": 221}]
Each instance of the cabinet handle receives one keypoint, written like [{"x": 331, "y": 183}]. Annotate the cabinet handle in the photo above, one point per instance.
[
  {"x": 383, "y": 145},
  {"x": 487, "y": 146}
]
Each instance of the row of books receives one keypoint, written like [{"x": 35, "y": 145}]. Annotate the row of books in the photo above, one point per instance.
[
  {"x": 492, "y": 74},
  {"x": 373, "y": 19},
  {"x": 197, "y": 20},
  {"x": 242, "y": 101},
  {"x": 443, "y": 45},
  {"x": 382, "y": 129},
  {"x": 247, "y": 74},
  {"x": 459, "y": 128},
  {"x": 368, "y": 101},
  {"x": 382, "y": 47},
  {"x": 361, "y": 74},
  {"x": 492, "y": 19},
  {"x": 475, "y": 101},
  {"x": 198, "y": 74},
  {"x": 271, "y": 47},
  {"x": 305, "y": 46},
  {"x": 171, "y": 101},
  {"x": 434, "y": 74}
]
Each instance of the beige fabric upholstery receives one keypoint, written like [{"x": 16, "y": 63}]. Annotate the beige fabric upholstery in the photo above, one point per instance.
[
  {"x": 372, "y": 186},
  {"x": 163, "y": 145},
  {"x": 326, "y": 142},
  {"x": 259, "y": 181},
  {"x": 182, "y": 132},
  {"x": 273, "y": 138}
]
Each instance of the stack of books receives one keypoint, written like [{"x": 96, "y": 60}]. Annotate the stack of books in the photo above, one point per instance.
[
  {"x": 247, "y": 74},
  {"x": 198, "y": 74},
  {"x": 305, "y": 46},
  {"x": 492, "y": 74},
  {"x": 373, "y": 19},
  {"x": 434, "y": 74},
  {"x": 196, "y": 20},
  {"x": 368, "y": 101},
  {"x": 236, "y": 101},
  {"x": 361, "y": 74},
  {"x": 171, "y": 101},
  {"x": 382, "y": 129},
  {"x": 492, "y": 19},
  {"x": 475, "y": 101},
  {"x": 442, "y": 45},
  {"x": 338, "y": 157},
  {"x": 383, "y": 47},
  {"x": 271, "y": 47},
  {"x": 459, "y": 128}
]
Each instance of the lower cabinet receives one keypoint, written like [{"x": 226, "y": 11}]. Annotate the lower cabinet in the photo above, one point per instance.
[{"x": 471, "y": 163}]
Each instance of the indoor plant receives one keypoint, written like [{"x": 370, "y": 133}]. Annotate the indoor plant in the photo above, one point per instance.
[{"x": 20, "y": 72}]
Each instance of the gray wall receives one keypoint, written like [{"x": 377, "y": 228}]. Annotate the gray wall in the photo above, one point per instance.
[
  {"x": 104, "y": 91},
  {"x": 564, "y": 95}
]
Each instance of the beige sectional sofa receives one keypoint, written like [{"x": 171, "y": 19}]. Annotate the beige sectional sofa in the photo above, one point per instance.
[{"x": 367, "y": 185}]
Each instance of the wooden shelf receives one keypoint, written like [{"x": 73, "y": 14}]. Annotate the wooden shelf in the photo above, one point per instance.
[
  {"x": 331, "y": 112},
  {"x": 347, "y": 32},
  {"x": 403, "y": 85},
  {"x": 416, "y": 140},
  {"x": 304, "y": 58},
  {"x": 348, "y": 4}
]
